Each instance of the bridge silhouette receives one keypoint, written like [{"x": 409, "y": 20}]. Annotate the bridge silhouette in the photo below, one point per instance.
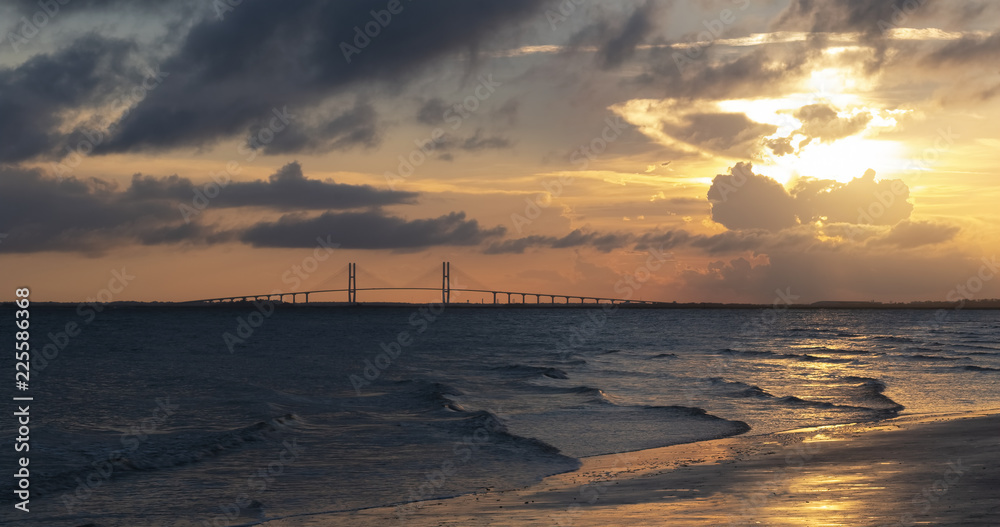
[{"x": 445, "y": 289}]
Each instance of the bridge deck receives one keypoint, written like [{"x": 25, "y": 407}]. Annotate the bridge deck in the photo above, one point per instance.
[
  {"x": 522, "y": 294},
  {"x": 445, "y": 289}
]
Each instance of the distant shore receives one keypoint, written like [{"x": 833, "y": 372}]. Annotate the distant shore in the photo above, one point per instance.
[{"x": 924, "y": 305}]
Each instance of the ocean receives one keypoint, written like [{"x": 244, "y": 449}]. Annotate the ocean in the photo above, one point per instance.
[{"x": 194, "y": 416}]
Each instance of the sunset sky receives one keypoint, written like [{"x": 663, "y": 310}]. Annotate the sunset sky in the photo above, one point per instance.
[{"x": 840, "y": 150}]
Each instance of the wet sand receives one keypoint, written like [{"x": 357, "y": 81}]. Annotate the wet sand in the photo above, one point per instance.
[{"x": 912, "y": 470}]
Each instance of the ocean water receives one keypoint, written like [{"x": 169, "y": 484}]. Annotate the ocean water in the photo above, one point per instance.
[{"x": 150, "y": 417}]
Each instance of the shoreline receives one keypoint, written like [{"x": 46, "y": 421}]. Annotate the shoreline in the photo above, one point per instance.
[
  {"x": 939, "y": 468},
  {"x": 981, "y": 305}
]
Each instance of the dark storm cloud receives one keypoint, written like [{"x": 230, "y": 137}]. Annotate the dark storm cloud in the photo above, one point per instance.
[
  {"x": 42, "y": 214},
  {"x": 706, "y": 72},
  {"x": 92, "y": 216},
  {"x": 369, "y": 230},
  {"x": 357, "y": 126},
  {"x": 36, "y": 95},
  {"x": 286, "y": 189},
  {"x": 266, "y": 55},
  {"x": 31, "y": 6}
]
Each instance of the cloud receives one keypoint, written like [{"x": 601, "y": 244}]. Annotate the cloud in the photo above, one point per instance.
[
  {"x": 36, "y": 96},
  {"x": 432, "y": 111},
  {"x": 830, "y": 273},
  {"x": 734, "y": 280},
  {"x": 756, "y": 241},
  {"x": 286, "y": 189},
  {"x": 42, "y": 214},
  {"x": 356, "y": 126},
  {"x": 480, "y": 141},
  {"x": 909, "y": 234},
  {"x": 232, "y": 72},
  {"x": 744, "y": 200},
  {"x": 446, "y": 144},
  {"x": 870, "y": 18},
  {"x": 729, "y": 133},
  {"x": 874, "y": 21},
  {"x": 604, "y": 242},
  {"x": 820, "y": 121},
  {"x": 616, "y": 37},
  {"x": 766, "y": 70},
  {"x": 781, "y": 146},
  {"x": 620, "y": 45},
  {"x": 862, "y": 200},
  {"x": 93, "y": 216},
  {"x": 728, "y": 242},
  {"x": 838, "y": 16},
  {"x": 969, "y": 49},
  {"x": 369, "y": 230},
  {"x": 229, "y": 70}
]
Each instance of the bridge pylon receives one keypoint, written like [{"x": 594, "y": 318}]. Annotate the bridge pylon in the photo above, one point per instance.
[
  {"x": 352, "y": 282},
  {"x": 446, "y": 282}
]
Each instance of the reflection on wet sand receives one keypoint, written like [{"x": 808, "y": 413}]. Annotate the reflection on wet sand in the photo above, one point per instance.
[{"x": 926, "y": 470}]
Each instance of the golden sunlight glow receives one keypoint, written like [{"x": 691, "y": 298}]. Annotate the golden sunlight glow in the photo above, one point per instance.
[
  {"x": 837, "y": 158},
  {"x": 842, "y": 160}
]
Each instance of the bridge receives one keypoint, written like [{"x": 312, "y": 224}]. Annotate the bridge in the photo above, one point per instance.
[{"x": 445, "y": 289}]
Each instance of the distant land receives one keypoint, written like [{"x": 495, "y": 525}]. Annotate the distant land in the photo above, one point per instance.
[{"x": 992, "y": 303}]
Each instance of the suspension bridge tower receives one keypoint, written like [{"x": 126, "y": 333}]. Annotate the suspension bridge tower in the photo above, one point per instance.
[{"x": 446, "y": 282}]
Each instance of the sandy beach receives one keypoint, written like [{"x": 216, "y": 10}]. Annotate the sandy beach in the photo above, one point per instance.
[{"x": 912, "y": 470}]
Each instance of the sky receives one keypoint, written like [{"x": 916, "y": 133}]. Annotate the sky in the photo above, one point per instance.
[{"x": 715, "y": 150}]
